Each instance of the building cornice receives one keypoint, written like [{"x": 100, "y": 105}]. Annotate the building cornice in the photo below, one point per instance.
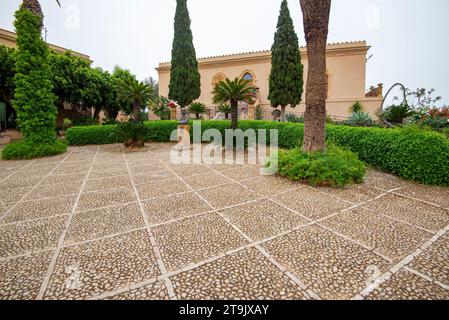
[
  {"x": 333, "y": 50},
  {"x": 11, "y": 37}
]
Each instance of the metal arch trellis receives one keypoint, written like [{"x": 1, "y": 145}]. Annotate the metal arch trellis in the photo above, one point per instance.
[{"x": 404, "y": 91}]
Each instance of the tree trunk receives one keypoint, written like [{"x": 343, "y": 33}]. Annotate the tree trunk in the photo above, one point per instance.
[
  {"x": 283, "y": 108},
  {"x": 234, "y": 115},
  {"x": 316, "y": 26},
  {"x": 35, "y": 7},
  {"x": 136, "y": 111},
  {"x": 97, "y": 114}
]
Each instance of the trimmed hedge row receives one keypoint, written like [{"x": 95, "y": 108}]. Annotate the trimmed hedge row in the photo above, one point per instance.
[{"x": 412, "y": 154}]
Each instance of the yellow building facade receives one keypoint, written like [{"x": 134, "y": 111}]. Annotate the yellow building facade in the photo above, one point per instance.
[{"x": 346, "y": 72}]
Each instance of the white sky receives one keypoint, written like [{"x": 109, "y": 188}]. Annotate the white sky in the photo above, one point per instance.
[{"x": 408, "y": 37}]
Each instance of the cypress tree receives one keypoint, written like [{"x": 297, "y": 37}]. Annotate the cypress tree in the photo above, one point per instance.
[
  {"x": 286, "y": 77},
  {"x": 185, "y": 85},
  {"x": 34, "y": 100}
]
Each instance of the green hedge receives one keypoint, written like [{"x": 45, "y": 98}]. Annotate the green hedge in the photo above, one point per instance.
[
  {"x": 412, "y": 154},
  {"x": 27, "y": 149}
]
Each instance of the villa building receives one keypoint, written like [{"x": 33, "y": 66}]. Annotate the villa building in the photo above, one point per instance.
[{"x": 346, "y": 74}]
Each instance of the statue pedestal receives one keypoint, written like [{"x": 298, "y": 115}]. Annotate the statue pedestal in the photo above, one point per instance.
[{"x": 183, "y": 137}]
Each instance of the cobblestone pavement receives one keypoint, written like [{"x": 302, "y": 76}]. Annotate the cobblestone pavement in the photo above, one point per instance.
[{"x": 98, "y": 223}]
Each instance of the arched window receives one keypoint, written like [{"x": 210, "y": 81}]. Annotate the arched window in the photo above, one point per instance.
[
  {"x": 249, "y": 76},
  {"x": 219, "y": 77}
]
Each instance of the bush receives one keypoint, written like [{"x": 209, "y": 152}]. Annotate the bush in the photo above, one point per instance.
[
  {"x": 134, "y": 134},
  {"x": 397, "y": 113},
  {"x": 293, "y": 118},
  {"x": 27, "y": 149},
  {"x": 356, "y": 107},
  {"x": 78, "y": 136},
  {"x": 412, "y": 154},
  {"x": 84, "y": 121},
  {"x": 336, "y": 167},
  {"x": 360, "y": 119}
]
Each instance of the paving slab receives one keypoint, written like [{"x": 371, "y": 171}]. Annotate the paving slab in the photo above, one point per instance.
[{"x": 100, "y": 222}]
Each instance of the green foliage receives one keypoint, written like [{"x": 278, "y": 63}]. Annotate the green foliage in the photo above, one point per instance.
[
  {"x": 413, "y": 154},
  {"x": 233, "y": 92},
  {"x": 360, "y": 119},
  {"x": 33, "y": 99},
  {"x": 84, "y": 121},
  {"x": 133, "y": 133},
  {"x": 225, "y": 108},
  {"x": 67, "y": 124},
  {"x": 185, "y": 84},
  {"x": 198, "y": 109},
  {"x": 161, "y": 108},
  {"x": 7, "y": 72},
  {"x": 139, "y": 93},
  {"x": 286, "y": 78},
  {"x": 79, "y": 136},
  {"x": 336, "y": 167},
  {"x": 397, "y": 113},
  {"x": 293, "y": 118},
  {"x": 28, "y": 149},
  {"x": 259, "y": 113},
  {"x": 356, "y": 107},
  {"x": 119, "y": 75}
]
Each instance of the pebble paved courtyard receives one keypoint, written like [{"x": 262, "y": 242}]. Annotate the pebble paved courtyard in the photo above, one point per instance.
[{"x": 98, "y": 223}]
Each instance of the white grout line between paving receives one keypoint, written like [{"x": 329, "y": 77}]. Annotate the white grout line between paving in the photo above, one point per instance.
[
  {"x": 156, "y": 250},
  {"x": 54, "y": 258},
  {"x": 32, "y": 189}
]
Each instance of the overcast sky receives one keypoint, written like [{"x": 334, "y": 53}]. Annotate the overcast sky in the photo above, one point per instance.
[{"x": 408, "y": 37}]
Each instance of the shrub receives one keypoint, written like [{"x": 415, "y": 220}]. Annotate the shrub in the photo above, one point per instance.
[
  {"x": 397, "y": 113},
  {"x": 67, "y": 124},
  {"x": 28, "y": 149},
  {"x": 356, "y": 107},
  {"x": 198, "y": 109},
  {"x": 133, "y": 133},
  {"x": 412, "y": 154},
  {"x": 360, "y": 119},
  {"x": 84, "y": 121},
  {"x": 293, "y": 118},
  {"x": 259, "y": 115},
  {"x": 78, "y": 136},
  {"x": 336, "y": 167}
]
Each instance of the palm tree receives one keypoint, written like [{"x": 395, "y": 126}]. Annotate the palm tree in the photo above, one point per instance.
[
  {"x": 233, "y": 92},
  {"x": 137, "y": 93},
  {"x": 225, "y": 108},
  {"x": 316, "y": 27},
  {"x": 35, "y": 7},
  {"x": 198, "y": 109}
]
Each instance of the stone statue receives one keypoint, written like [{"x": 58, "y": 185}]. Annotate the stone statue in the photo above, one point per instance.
[{"x": 185, "y": 117}]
